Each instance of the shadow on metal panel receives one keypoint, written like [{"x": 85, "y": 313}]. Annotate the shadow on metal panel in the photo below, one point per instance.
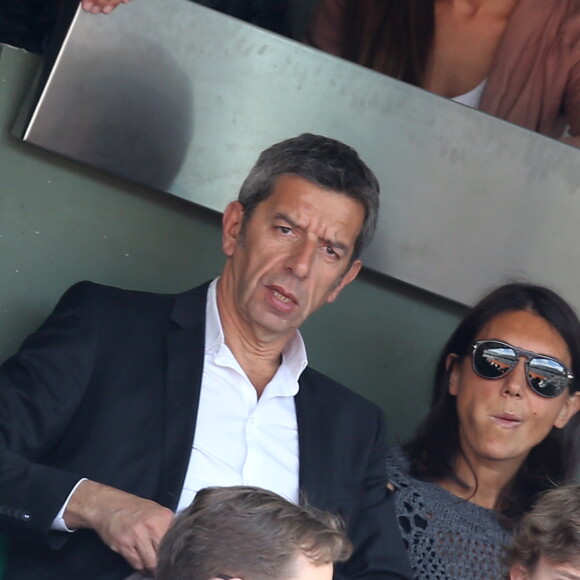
[{"x": 182, "y": 98}]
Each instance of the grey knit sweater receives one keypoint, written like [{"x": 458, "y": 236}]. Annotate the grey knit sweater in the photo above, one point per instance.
[{"x": 447, "y": 538}]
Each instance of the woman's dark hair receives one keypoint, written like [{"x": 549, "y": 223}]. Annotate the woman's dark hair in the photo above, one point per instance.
[
  {"x": 435, "y": 446},
  {"x": 394, "y": 37}
]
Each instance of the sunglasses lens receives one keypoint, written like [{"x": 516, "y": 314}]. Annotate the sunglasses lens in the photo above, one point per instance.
[
  {"x": 547, "y": 377},
  {"x": 492, "y": 360}
]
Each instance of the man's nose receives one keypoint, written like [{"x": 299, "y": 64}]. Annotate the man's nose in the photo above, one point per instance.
[{"x": 301, "y": 258}]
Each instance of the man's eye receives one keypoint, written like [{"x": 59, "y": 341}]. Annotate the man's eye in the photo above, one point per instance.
[
  {"x": 330, "y": 252},
  {"x": 285, "y": 230}
]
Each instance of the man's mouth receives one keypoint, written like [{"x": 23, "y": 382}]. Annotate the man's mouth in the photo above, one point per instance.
[{"x": 281, "y": 297}]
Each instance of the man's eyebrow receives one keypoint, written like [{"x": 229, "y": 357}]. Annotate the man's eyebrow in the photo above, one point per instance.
[
  {"x": 334, "y": 244},
  {"x": 286, "y": 218}
]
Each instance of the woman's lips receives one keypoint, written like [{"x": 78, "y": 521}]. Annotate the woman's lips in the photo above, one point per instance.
[{"x": 509, "y": 420}]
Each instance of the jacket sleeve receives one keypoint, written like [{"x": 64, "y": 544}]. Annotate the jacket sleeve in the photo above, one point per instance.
[
  {"x": 40, "y": 389},
  {"x": 379, "y": 552}
]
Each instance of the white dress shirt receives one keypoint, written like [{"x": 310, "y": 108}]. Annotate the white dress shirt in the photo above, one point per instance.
[{"x": 240, "y": 439}]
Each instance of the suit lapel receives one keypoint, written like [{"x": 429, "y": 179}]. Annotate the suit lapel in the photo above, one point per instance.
[
  {"x": 313, "y": 442},
  {"x": 185, "y": 353}
]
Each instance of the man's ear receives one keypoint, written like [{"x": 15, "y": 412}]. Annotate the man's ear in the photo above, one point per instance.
[
  {"x": 452, "y": 366},
  {"x": 568, "y": 410},
  {"x": 231, "y": 226},
  {"x": 345, "y": 279}
]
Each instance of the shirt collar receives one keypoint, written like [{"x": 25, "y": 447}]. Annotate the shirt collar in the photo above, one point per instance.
[
  {"x": 294, "y": 359},
  {"x": 214, "y": 335}
]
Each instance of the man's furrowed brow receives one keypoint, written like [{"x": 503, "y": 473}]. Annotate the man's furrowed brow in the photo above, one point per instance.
[
  {"x": 337, "y": 245},
  {"x": 286, "y": 218}
]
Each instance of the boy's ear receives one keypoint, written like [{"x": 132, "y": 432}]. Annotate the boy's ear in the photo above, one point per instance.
[{"x": 518, "y": 572}]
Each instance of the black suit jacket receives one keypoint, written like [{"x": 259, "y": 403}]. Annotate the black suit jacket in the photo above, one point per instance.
[{"x": 108, "y": 388}]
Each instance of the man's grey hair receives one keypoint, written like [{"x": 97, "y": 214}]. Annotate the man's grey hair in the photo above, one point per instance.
[
  {"x": 551, "y": 529},
  {"x": 249, "y": 533},
  {"x": 325, "y": 162}
]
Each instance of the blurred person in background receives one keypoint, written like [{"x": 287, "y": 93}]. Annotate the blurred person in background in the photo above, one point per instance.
[
  {"x": 518, "y": 60},
  {"x": 546, "y": 545}
]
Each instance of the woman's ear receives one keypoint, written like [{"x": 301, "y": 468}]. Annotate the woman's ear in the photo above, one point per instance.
[
  {"x": 569, "y": 408},
  {"x": 454, "y": 372}
]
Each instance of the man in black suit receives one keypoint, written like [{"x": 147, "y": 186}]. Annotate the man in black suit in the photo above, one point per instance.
[{"x": 124, "y": 404}]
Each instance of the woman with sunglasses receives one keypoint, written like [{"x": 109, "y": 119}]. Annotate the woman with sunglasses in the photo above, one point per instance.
[
  {"x": 518, "y": 60},
  {"x": 499, "y": 432}
]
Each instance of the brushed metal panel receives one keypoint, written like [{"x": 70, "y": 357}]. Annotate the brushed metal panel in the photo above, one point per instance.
[{"x": 180, "y": 97}]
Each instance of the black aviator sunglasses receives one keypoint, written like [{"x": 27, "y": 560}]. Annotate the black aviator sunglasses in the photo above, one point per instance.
[{"x": 547, "y": 376}]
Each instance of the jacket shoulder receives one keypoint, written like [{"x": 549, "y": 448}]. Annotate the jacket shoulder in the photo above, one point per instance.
[
  {"x": 87, "y": 291},
  {"x": 335, "y": 393}
]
